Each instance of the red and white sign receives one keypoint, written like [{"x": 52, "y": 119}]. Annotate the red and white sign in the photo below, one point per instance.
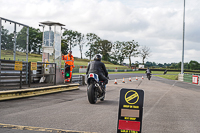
[{"x": 195, "y": 79}]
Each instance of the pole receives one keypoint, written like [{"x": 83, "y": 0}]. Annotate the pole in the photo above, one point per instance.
[
  {"x": 14, "y": 49},
  {"x": 182, "y": 64},
  {"x": 27, "y": 40},
  {"x": 43, "y": 43}
]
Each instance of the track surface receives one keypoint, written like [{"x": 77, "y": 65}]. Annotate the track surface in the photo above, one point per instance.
[{"x": 169, "y": 107}]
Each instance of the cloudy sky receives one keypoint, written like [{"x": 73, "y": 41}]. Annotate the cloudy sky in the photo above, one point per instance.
[{"x": 157, "y": 24}]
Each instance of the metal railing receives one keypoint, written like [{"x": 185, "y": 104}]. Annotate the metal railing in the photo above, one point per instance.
[{"x": 9, "y": 76}]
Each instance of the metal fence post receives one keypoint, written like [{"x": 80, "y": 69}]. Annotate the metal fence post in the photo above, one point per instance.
[
  {"x": 20, "y": 79},
  {"x": 29, "y": 74},
  {"x": 83, "y": 79},
  {"x": 14, "y": 48},
  {"x": 55, "y": 75}
]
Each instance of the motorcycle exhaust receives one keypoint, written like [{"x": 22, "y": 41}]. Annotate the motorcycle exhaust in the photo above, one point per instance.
[{"x": 99, "y": 88}]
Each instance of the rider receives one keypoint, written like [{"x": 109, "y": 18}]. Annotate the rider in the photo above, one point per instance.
[
  {"x": 148, "y": 71},
  {"x": 99, "y": 68}
]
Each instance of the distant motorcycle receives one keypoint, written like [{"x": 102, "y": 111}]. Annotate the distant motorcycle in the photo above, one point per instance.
[
  {"x": 165, "y": 72},
  {"x": 95, "y": 88},
  {"x": 149, "y": 76}
]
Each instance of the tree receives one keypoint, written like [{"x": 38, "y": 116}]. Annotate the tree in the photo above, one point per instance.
[
  {"x": 35, "y": 40},
  {"x": 130, "y": 50},
  {"x": 103, "y": 47},
  {"x": 194, "y": 65},
  {"x": 118, "y": 53},
  {"x": 71, "y": 37},
  {"x": 148, "y": 64},
  {"x": 64, "y": 46},
  {"x": 92, "y": 39},
  {"x": 144, "y": 52},
  {"x": 6, "y": 39},
  {"x": 81, "y": 41}
]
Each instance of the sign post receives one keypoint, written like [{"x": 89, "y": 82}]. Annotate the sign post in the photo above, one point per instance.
[{"x": 130, "y": 111}]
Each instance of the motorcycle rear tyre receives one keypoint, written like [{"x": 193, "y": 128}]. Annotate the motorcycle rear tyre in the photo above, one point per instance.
[
  {"x": 92, "y": 97},
  {"x": 102, "y": 99},
  {"x": 149, "y": 77}
]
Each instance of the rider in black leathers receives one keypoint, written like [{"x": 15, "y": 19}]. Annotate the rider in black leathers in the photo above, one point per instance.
[
  {"x": 148, "y": 71},
  {"x": 99, "y": 68}
]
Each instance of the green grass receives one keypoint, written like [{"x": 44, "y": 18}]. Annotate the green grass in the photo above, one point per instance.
[
  {"x": 171, "y": 77},
  {"x": 8, "y": 54},
  {"x": 143, "y": 72}
]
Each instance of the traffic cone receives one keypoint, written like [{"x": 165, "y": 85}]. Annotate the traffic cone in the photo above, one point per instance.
[
  {"x": 142, "y": 77},
  {"x": 136, "y": 78},
  {"x": 130, "y": 79},
  {"x": 123, "y": 81},
  {"x": 115, "y": 81}
]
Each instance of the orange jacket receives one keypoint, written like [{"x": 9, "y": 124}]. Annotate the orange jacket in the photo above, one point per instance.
[{"x": 68, "y": 60}]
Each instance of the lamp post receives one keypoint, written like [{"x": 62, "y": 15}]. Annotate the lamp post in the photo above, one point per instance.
[{"x": 182, "y": 64}]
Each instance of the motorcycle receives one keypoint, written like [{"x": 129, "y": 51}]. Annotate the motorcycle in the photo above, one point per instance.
[
  {"x": 95, "y": 88},
  {"x": 149, "y": 76}
]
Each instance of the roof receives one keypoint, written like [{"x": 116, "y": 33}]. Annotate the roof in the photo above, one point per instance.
[{"x": 50, "y": 23}]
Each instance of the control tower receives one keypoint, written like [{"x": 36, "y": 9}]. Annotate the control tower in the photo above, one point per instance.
[{"x": 51, "y": 46}]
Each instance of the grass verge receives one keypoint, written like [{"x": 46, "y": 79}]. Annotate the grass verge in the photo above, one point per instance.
[{"x": 171, "y": 77}]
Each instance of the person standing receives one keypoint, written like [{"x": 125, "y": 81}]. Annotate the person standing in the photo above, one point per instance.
[{"x": 69, "y": 60}]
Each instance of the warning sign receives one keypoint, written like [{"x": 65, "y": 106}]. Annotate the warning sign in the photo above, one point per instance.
[
  {"x": 18, "y": 65},
  {"x": 33, "y": 66},
  {"x": 130, "y": 111},
  {"x": 195, "y": 79},
  {"x": 131, "y": 97}
]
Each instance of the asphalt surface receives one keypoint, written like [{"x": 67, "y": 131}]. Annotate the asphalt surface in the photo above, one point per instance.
[{"x": 169, "y": 107}]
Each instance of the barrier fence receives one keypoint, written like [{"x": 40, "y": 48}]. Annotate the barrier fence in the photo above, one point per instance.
[
  {"x": 43, "y": 71},
  {"x": 13, "y": 73},
  {"x": 19, "y": 73},
  {"x": 190, "y": 78}
]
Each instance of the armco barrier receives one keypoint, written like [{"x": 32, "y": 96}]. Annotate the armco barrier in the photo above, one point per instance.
[{"x": 110, "y": 70}]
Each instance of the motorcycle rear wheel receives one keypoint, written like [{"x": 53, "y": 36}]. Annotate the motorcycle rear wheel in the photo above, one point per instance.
[
  {"x": 149, "y": 77},
  {"x": 102, "y": 99},
  {"x": 92, "y": 94}
]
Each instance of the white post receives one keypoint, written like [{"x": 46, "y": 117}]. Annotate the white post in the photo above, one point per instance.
[{"x": 182, "y": 64}]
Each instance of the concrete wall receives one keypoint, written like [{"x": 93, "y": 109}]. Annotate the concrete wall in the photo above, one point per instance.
[{"x": 180, "y": 77}]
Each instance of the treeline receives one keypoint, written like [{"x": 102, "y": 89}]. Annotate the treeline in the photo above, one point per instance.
[
  {"x": 114, "y": 52},
  {"x": 192, "y": 65}
]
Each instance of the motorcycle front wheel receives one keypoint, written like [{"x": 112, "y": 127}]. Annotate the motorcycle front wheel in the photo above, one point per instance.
[{"x": 92, "y": 94}]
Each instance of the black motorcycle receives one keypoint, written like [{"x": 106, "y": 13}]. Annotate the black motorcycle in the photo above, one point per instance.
[
  {"x": 149, "y": 76},
  {"x": 95, "y": 89}
]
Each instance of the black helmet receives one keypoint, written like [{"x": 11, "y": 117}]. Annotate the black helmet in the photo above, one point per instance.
[{"x": 97, "y": 57}]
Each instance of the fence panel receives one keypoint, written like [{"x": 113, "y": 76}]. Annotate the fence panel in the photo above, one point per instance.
[
  {"x": 10, "y": 75},
  {"x": 187, "y": 78}
]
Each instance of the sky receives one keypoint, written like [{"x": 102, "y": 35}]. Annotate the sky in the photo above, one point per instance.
[{"x": 157, "y": 24}]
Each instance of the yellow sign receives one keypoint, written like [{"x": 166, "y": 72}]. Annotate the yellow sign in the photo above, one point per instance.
[
  {"x": 33, "y": 66},
  {"x": 18, "y": 65},
  {"x": 131, "y": 97}
]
